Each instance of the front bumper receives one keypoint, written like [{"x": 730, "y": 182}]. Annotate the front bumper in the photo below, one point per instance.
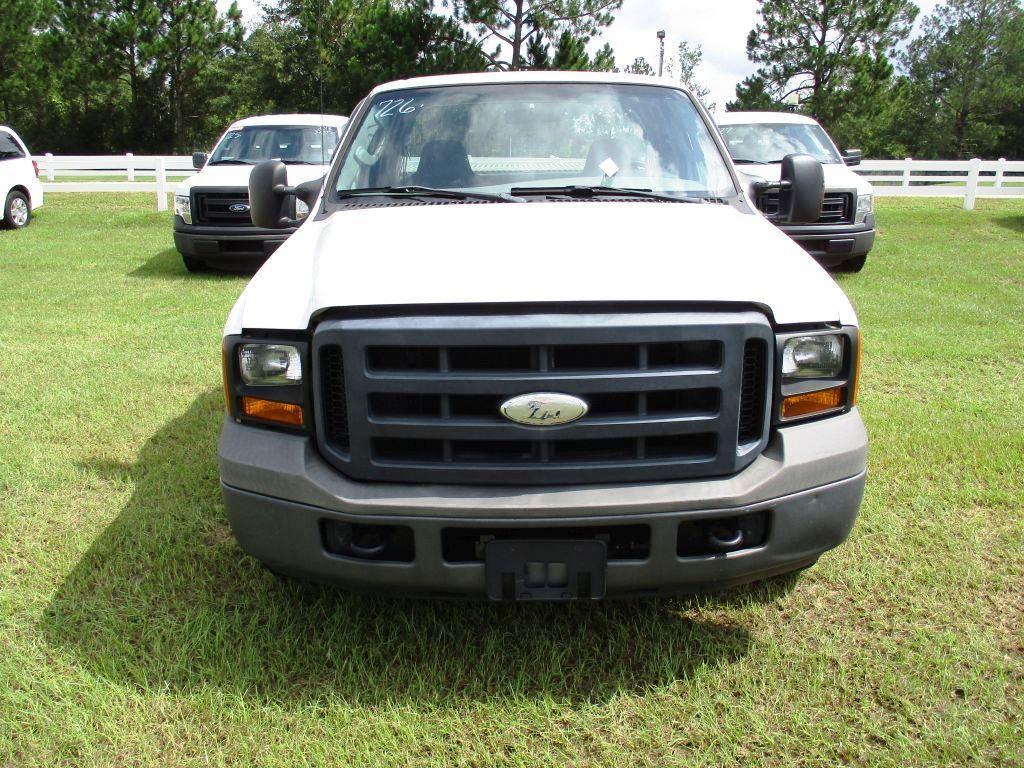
[
  {"x": 226, "y": 244},
  {"x": 834, "y": 244},
  {"x": 279, "y": 492}
]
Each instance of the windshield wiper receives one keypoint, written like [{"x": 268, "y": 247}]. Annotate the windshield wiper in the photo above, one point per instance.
[
  {"x": 578, "y": 190},
  {"x": 747, "y": 161},
  {"x": 229, "y": 162},
  {"x": 299, "y": 162},
  {"x": 415, "y": 191}
]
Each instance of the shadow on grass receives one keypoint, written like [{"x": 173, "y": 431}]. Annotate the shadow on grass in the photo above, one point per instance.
[
  {"x": 164, "y": 599},
  {"x": 1012, "y": 223},
  {"x": 168, "y": 264}
]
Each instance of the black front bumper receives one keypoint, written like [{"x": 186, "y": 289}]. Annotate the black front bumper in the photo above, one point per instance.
[
  {"x": 226, "y": 244},
  {"x": 835, "y": 243}
]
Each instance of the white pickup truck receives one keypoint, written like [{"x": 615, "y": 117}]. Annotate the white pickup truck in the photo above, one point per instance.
[
  {"x": 845, "y": 232},
  {"x": 535, "y": 342},
  {"x": 212, "y": 226}
]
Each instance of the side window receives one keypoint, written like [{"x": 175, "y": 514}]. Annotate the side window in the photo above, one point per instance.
[{"x": 9, "y": 148}]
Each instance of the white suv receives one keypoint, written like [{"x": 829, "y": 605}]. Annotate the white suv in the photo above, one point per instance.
[
  {"x": 20, "y": 189},
  {"x": 212, "y": 225},
  {"x": 845, "y": 232}
]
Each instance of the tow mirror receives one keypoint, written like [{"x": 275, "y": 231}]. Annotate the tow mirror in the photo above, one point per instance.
[
  {"x": 270, "y": 198},
  {"x": 852, "y": 156},
  {"x": 802, "y": 189},
  {"x": 199, "y": 160}
]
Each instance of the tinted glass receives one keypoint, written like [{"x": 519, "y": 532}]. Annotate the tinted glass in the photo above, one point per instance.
[{"x": 9, "y": 148}]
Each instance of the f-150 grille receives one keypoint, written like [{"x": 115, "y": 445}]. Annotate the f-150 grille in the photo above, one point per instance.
[
  {"x": 222, "y": 208},
  {"x": 417, "y": 399},
  {"x": 836, "y": 208}
]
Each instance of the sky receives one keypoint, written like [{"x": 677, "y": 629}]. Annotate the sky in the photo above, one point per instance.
[{"x": 720, "y": 27}]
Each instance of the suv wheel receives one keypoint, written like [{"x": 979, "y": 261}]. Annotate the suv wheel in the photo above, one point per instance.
[
  {"x": 17, "y": 211},
  {"x": 192, "y": 264}
]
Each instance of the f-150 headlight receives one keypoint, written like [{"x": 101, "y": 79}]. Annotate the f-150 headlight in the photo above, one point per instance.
[
  {"x": 269, "y": 365},
  {"x": 301, "y": 209},
  {"x": 865, "y": 205},
  {"x": 812, "y": 357},
  {"x": 183, "y": 208}
]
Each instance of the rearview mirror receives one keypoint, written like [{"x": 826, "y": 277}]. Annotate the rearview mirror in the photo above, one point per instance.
[
  {"x": 852, "y": 156},
  {"x": 803, "y": 189},
  {"x": 270, "y": 203},
  {"x": 199, "y": 160}
]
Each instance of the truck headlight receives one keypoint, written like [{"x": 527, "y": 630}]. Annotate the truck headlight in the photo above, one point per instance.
[
  {"x": 301, "y": 209},
  {"x": 183, "y": 208},
  {"x": 812, "y": 357},
  {"x": 865, "y": 205},
  {"x": 818, "y": 373},
  {"x": 269, "y": 365}
]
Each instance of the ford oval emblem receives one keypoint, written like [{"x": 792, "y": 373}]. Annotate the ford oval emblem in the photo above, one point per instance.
[
  {"x": 239, "y": 208},
  {"x": 544, "y": 409}
]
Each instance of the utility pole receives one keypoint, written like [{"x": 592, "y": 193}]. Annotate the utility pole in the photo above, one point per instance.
[{"x": 661, "y": 54}]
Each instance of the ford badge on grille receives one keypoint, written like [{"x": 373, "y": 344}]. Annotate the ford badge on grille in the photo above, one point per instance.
[{"x": 544, "y": 409}]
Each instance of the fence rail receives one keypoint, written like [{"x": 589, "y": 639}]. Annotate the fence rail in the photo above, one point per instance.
[{"x": 969, "y": 179}]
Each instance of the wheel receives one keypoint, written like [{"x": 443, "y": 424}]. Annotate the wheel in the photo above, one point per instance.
[
  {"x": 17, "y": 210},
  {"x": 856, "y": 264},
  {"x": 192, "y": 264}
]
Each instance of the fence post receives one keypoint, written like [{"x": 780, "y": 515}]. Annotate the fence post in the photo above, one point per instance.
[
  {"x": 49, "y": 166},
  {"x": 972, "y": 184},
  {"x": 161, "y": 185},
  {"x": 906, "y": 173},
  {"x": 129, "y": 163},
  {"x": 999, "y": 173}
]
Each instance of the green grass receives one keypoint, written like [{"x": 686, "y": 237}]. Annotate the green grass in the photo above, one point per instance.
[{"x": 134, "y": 632}]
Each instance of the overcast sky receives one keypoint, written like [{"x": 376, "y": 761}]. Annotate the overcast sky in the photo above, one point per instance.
[{"x": 720, "y": 27}]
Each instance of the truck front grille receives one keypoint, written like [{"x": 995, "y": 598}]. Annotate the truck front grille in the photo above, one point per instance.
[
  {"x": 417, "y": 399},
  {"x": 214, "y": 208},
  {"x": 836, "y": 208}
]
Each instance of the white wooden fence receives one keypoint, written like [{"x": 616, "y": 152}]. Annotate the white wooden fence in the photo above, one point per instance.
[{"x": 969, "y": 179}]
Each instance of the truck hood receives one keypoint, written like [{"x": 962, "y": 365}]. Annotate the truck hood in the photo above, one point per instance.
[
  {"x": 838, "y": 177},
  {"x": 238, "y": 176},
  {"x": 545, "y": 252}
]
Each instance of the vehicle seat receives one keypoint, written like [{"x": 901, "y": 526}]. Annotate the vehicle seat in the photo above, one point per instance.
[
  {"x": 443, "y": 163},
  {"x": 604, "y": 148}
]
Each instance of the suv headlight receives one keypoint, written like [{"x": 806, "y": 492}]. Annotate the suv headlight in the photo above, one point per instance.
[
  {"x": 183, "y": 208},
  {"x": 865, "y": 205},
  {"x": 818, "y": 373}
]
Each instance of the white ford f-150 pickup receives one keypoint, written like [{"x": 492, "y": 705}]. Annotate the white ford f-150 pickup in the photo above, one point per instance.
[
  {"x": 535, "y": 342},
  {"x": 212, "y": 225}
]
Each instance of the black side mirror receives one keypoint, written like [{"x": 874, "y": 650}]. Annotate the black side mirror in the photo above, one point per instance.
[
  {"x": 803, "y": 189},
  {"x": 199, "y": 160},
  {"x": 269, "y": 193},
  {"x": 852, "y": 156}
]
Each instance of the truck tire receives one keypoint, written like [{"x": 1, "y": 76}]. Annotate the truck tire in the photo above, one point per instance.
[
  {"x": 17, "y": 210},
  {"x": 856, "y": 264},
  {"x": 192, "y": 264}
]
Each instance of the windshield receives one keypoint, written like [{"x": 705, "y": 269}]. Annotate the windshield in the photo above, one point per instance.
[
  {"x": 292, "y": 144},
  {"x": 496, "y": 138},
  {"x": 770, "y": 142}
]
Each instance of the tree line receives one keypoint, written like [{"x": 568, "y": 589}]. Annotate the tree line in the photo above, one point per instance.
[{"x": 158, "y": 76}]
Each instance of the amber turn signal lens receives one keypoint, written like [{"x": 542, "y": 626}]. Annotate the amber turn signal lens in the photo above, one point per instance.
[
  {"x": 271, "y": 410},
  {"x": 813, "y": 402}
]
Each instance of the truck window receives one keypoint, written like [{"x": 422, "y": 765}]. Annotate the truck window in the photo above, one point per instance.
[{"x": 496, "y": 137}]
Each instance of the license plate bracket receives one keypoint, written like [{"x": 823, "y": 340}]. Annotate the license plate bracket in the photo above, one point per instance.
[{"x": 545, "y": 570}]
